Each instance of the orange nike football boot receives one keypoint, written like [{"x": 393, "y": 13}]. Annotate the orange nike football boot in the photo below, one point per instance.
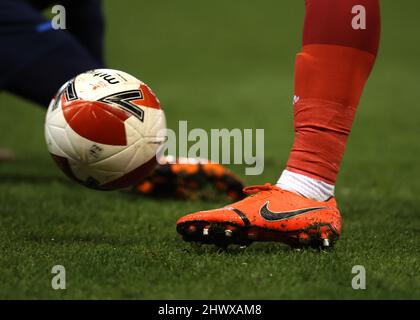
[
  {"x": 269, "y": 214},
  {"x": 191, "y": 179}
]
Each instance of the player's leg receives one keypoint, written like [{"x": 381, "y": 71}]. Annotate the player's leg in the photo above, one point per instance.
[
  {"x": 85, "y": 21},
  {"x": 337, "y": 56},
  {"x": 39, "y": 80},
  {"x": 340, "y": 43},
  {"x": 36, "y": 59}
]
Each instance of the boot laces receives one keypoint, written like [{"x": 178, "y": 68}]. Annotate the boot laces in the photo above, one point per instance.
[{"x": 252, "y": 190}]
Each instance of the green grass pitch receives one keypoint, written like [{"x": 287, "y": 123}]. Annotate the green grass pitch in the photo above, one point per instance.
[{"x": 220, "y": 64}]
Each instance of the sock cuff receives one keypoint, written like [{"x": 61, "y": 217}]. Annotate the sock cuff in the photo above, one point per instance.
[{"x": 308, "y": 187}]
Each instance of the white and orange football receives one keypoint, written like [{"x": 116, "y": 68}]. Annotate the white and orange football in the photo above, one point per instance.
[{"x": 104, "y": 128}]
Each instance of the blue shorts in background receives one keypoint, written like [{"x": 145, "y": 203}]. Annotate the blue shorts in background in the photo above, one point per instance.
[{"x": 35, "y": 59}]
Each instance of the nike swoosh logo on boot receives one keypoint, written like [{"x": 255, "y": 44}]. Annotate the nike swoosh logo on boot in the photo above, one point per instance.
[{"x": 269, "y": 215}]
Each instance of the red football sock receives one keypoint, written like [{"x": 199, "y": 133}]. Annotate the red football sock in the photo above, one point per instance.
[{"x": 340, "y": 44}]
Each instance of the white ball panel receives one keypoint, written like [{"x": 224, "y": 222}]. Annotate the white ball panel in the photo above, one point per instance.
[
  {"x": 51, "y": 138},
  {"x": 96, "y": 84},
  {"x": 84, "y": 171},
  {"x": 155, "y": 122}
]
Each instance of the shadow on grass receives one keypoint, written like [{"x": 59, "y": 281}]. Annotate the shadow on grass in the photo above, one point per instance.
[
  {"x": 256, "y": 249},
  {"x": 34, "y": 179},
  {"x": 93, "y": 239},
  {"x": 234, "y": 250}
]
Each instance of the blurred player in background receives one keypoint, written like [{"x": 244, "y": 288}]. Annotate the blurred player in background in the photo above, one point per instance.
[
  {"x": 36, "y": 60},
  {"x": 32, "y": 52},
  {"x": 340, "y": 44}
]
